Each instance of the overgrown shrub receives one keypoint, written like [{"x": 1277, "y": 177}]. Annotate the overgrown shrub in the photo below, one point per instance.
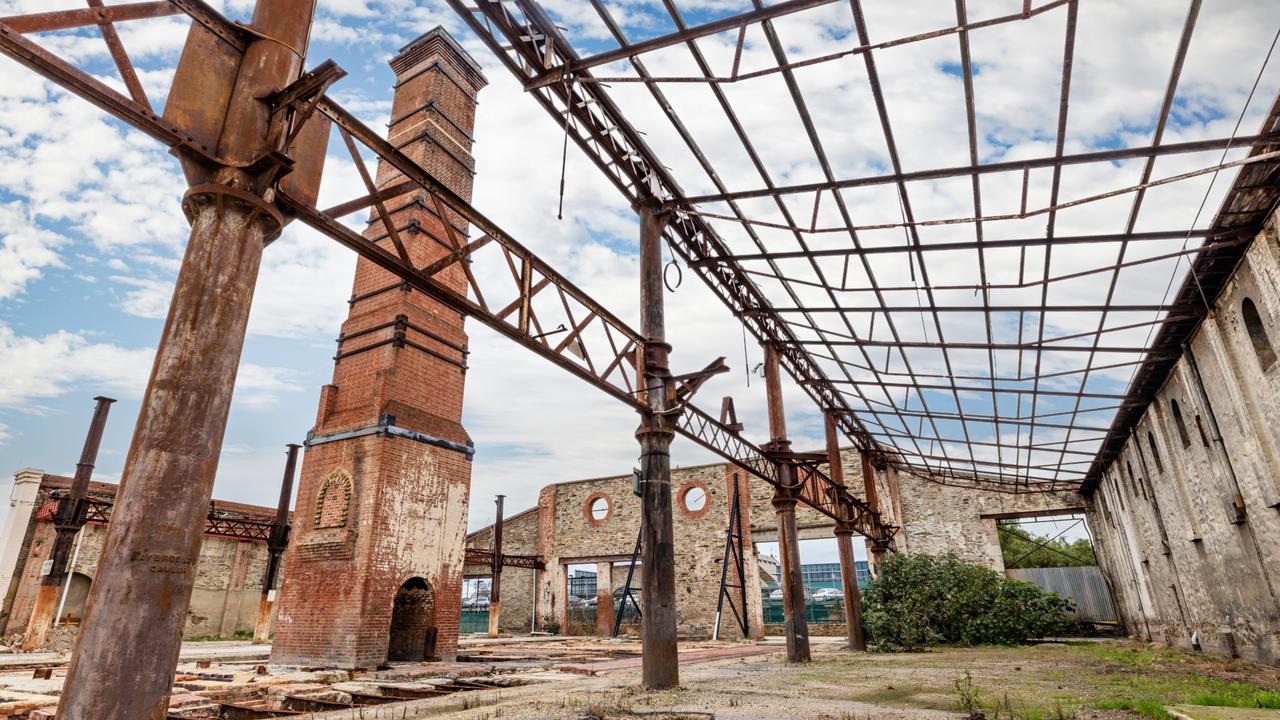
[{"x": 922, "y": 600}]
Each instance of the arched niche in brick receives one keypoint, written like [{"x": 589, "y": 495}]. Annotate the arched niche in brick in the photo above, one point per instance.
[{"x": 333, "y": 502}]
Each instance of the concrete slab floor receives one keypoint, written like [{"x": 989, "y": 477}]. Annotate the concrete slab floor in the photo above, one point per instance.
[{"x": 1091, "y": 681}]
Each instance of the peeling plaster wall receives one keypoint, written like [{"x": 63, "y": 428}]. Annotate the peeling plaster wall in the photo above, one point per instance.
[
  {"x": 228, "y": 581},
  {"x": 1193, "y": 555}
]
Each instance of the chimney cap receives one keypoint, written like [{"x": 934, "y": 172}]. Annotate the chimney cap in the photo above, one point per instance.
[{"x": 438, "y": 39}]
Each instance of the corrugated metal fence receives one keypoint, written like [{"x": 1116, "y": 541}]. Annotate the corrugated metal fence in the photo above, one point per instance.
[{"x": 1084, "y": 585}]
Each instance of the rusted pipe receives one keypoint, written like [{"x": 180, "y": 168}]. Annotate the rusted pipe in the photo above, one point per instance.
[
  {"x": 275, "y": 548},
  {"x": 495, "y": 587},
  {"x": 67, "y": 524}
]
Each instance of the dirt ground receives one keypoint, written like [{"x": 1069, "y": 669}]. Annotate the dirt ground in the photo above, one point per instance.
[{"x": 1110, "y": 680}]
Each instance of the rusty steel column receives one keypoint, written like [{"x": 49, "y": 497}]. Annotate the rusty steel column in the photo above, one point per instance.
[
  {"x": 657, "y": 541},
  {"x": 784, "y": 505},
  {"x": 844, "y": 543},
  {"x": 875, "y": 549},
  {"x": 122, "y": 667},
  {"x": 275, "y": 548},
  {"x": 69, "y": 520},
  {"x": 495, "y": 587}
]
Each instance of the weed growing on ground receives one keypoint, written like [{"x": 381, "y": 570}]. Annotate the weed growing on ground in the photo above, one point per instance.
[{"x": 970, "y": 704}]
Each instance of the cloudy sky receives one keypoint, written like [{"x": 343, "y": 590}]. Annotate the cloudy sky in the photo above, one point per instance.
[{"x": 91, "y": 231}]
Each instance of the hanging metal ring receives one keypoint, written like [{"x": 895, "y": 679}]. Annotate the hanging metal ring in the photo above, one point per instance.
[{"x": 666, "y": 275}]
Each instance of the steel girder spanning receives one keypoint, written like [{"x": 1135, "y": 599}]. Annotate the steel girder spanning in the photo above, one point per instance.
[
  {"x": 537, "y": 52},
  {"x": 608, "y": 360},
  {"x": 592, "y": 120},
  {"x": 220, "y": 523},
  {"x": 481, "y": 556}
]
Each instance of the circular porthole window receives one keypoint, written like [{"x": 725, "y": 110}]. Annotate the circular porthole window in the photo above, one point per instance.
[
  {"x": 598, "y": 508},
  {"x": 694, "y": 499}
]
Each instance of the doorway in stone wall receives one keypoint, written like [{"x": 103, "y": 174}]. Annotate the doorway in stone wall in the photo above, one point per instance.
[{"x": 412, "y": 635}]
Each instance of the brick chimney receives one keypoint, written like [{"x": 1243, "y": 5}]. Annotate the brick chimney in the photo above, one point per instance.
[{"x": 374, "y": 565}]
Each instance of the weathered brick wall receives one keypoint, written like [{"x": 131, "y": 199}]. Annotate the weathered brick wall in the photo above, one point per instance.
[
  {"x": 1189, "y": 552},
  {"x": 403, "y": 500}
]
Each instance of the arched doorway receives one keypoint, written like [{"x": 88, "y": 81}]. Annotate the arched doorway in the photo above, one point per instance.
[{"x": 412, "y": 636}]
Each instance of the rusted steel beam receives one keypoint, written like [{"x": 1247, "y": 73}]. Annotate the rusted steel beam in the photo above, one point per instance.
[
  {"x": 122, "y": 668},
  {"x": 275, "y": 548},
  {"x": 659, "y": 664},
  {"x": 968, "y": 245},
  {"x": 95, "y": 91},
  {"x": 480, "y": 556},
  {"x": 69, "y": 519},
  {"x": 1051, "y": 161},
  {"x": 596, "y": 124},
  {"x": 495, "y": 587},
  {"x": 95, "y": 15},
  {"x": 570, "y": 67}
]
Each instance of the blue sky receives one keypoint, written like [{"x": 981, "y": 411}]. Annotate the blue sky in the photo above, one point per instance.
[{"x": 90, "y": 244}]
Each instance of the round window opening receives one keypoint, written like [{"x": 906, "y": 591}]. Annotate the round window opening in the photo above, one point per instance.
[
  {"x": 599, "y": 509},
  {"x": 695, "y": 499}
]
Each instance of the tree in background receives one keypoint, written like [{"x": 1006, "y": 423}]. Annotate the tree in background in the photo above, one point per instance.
[{"x": 1024, "y": 549}]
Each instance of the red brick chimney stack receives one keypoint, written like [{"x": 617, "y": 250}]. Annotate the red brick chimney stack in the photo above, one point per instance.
[{"x": 374, "y": 565}]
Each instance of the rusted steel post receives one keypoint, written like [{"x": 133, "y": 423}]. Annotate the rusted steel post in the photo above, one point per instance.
[
  {"x": 657, "y": 546},
  {"x": 844, "y": 543},
  {"x": 875, "y": 549},
  {"x": 784, "y": 505},
  {"x": 122, "y": 668},
  {"x": 69, "y": 520},
  {"x": 495, "y": 587},
  {"x": 275, "y": 548}
]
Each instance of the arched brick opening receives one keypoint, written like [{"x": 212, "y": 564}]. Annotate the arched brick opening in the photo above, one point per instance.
[{"x": 411, "y": 635}]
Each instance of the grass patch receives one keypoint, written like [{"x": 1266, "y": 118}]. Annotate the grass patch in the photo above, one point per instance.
[
  {"x": 1248, "y": 696},
  {"x": 1153, "y": 709}
]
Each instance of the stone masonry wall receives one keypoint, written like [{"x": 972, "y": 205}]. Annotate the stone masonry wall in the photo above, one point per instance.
[
  {"x": 519, "y": 537},
  {"x": 566, "y": 536},
  {"x": 1187, "y": 526}
]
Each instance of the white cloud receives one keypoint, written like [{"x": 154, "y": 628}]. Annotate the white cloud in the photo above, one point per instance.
[
  {"x": 24, "y": 249},
  {"x": 38, "y": 368}
]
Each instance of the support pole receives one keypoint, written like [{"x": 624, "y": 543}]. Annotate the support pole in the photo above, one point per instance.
[
  {"x": 870, "y": 485},
  {"x": 122, "y": 667},
  {"x": 658, "y": 592},
  {"x": 275, "y": 548},
  {"x": 844, "y": 543},
  {"x": 70, "y": 518},
  {"x": 495, "y": 587},
  {"x": 784, "y": 505}
]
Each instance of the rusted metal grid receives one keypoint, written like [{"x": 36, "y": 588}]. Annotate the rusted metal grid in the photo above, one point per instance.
[
  {"x": 1047, "y": 425},
  {"x": 220, "y": 523}
]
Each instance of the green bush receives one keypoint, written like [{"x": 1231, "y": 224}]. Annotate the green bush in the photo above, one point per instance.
[{"x": 922, "y": 600}]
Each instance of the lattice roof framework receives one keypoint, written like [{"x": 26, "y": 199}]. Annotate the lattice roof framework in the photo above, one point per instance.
[{"x": 989, "y": 285}]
